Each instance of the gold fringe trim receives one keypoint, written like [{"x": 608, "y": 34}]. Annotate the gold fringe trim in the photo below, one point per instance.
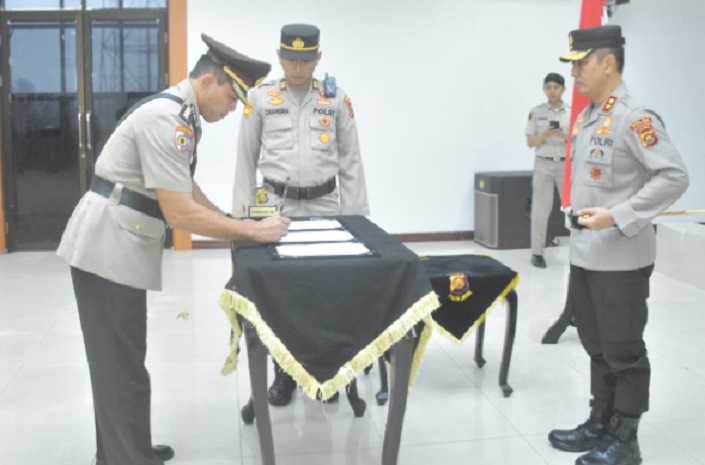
[
  {"x": 500, "y": 299},
  {"x": 234, "y": 304}
]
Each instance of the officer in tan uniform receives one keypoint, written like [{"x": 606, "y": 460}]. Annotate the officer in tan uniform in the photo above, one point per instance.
[
  {"x": 546, "y": 130},
  {"x": 625, "y": 171},
  {"x": 301, "y": 134},
  {"x": 115, "y": 237}
]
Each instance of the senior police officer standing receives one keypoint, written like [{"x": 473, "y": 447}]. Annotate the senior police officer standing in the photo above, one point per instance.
[
  {"x": 625, "y": 171},
  {"x": 546, "y": 130},
  {"x": 301, "y": 134},
  {"x": 114, "y": 239}
]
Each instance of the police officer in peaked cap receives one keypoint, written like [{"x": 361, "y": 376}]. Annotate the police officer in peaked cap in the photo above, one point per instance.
[
  {"x": 301, "y": 134},
  {"x": 625, "y": 172},
  {"x": 114, "y": 240}
]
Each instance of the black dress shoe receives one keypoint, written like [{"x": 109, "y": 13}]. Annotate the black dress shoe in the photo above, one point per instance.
[
  {"x": 538, "y": 261},
  {"x": 280, "y": 392},
  {"x": 163, "y": 452}
]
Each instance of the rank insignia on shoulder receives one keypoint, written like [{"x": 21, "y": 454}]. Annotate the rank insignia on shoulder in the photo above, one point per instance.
[
  {"x": 581, "y": 118},
  {"x": 459, "y": 287},
  {"x": 609, "y": 104},
  {"x": 188, "y": 113},
  {"x": 575, "y": 130},
  {"x": 183, "y": 138},
  {"x": 249, "y": 108},
  {"x": 276, "y": 101}
]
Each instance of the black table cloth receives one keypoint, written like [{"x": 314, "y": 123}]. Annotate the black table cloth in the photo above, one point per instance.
[{"x": 325, "y": 319}]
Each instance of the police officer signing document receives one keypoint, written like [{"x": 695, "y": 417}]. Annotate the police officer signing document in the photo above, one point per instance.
[
  {"x": 114, "y": 239},
  {"x": 625, "y": 171},
  {"x": 300, "y": 132}
]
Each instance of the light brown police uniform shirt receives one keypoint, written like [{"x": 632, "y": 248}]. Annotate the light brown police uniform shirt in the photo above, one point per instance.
[
  {"x": 622, "y": 159},
  {"x": 309, "y": 142},
  {"x": 151, "y": 149},
  {"x": 539, "y": 117}
]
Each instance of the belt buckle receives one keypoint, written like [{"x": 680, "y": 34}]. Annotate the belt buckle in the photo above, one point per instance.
[{"x": 556, "y": 158}]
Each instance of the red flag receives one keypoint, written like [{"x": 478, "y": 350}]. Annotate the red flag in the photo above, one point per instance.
[{"x": 590, "y": 16}]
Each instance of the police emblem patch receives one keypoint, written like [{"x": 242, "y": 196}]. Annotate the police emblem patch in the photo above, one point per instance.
[
  {"x": 276, "y": 101},
  {"x": 324, "y": 122},
  {"x": 324, "y": 138},
  {"x": 596, "y": 173},
  {"x": 183, "y": 138},
  {"x": 247, "y": 111},
  {"x": 647, "y": 135},
  {"x": 640, "y": 122},
  {"x": 459, "y": 287}
]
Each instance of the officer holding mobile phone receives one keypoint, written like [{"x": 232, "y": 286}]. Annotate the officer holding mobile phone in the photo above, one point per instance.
[{"x": 546, "y": 132}]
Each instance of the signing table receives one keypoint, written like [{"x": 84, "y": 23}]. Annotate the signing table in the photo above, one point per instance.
[{"x": 324, "y": 319}]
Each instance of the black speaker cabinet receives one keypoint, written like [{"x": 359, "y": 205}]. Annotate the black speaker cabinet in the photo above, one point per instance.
[{"x": 503, "y": 210}]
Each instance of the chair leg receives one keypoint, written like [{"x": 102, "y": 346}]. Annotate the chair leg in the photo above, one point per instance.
[
  {"x": 383, "y": 394},
  {"x": 479, "y": 342},
  {"x": 257, "y": 357},
  {"x": 558, "y": 328},
  {"x": 509, "y": 334},
  {"x": 402, "y": 355}
]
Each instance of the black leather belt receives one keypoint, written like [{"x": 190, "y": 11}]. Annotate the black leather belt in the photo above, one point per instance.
[
  {"x": 551, "y": 158},
  {"x": 132, "y": 199},
  {"x": 302, "y": 193}
]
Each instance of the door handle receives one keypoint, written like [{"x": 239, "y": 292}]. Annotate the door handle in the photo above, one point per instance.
[
  {"x": 89, "y": 132},
  {"x": 81, "y": 147}
]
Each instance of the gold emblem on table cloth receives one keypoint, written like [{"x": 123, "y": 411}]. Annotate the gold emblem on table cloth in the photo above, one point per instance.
[{"x": 459, "y": 287}]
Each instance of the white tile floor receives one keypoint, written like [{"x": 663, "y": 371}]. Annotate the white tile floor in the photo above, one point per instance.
[{"x": 456, "y": 413}]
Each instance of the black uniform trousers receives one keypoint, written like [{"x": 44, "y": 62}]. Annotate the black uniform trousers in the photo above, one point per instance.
[
  {"x": 611, "y": 314},
  {"x": 114, "y": 324}
]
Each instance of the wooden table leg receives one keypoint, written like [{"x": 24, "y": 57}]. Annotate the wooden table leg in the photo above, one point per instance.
[
  {"x": 402, "y": 355},
  {"x": 257, "y": 356}
]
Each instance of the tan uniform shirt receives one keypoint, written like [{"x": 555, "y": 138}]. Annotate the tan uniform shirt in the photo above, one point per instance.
[
  {"x": 623, "y": 160},
  {"x": 309, "y": 142},
  {"x": 539, "y": 117},
  {"x": 151, "y": 149}
]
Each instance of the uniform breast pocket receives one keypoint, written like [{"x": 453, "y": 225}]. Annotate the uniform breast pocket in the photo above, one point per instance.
[
  {"x": 323, "y": 133},
  {"x": 277, "y": 133},
  {"x": 141, "y": 227},
  {"x": 599, "y": 167}
]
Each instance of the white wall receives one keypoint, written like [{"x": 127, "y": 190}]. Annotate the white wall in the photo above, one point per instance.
[{"x": 441, "y": 88}]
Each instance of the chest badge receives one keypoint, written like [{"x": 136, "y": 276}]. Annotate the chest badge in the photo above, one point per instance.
[
  {"x": 276, "y": 101},
  {"x": 324, "y": 138},
  {"x": 597, "y": 155},
  {"x": 274, "y": 93},
  {"x": 605, "y": 129},
  {"x": 324, "y": 122},
  {"x": 596, "y": 173},
  {"x": 323, "y": 101}
]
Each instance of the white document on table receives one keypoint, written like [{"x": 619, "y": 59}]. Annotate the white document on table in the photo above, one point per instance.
[
  {"x": 314, "y": 224},
  {"x": 333, "y": 249},
  {"x": 328, "y": 235}
]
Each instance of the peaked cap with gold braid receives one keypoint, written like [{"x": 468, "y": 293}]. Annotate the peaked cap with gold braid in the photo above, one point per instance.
[
  {"x": 243, "y": 71},
  {"x": 299, "y": 42}
]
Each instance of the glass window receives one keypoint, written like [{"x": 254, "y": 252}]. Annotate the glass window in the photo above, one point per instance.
[
  {"x": 119, "y": 4},
  {"x": 40, "y": 4}
]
